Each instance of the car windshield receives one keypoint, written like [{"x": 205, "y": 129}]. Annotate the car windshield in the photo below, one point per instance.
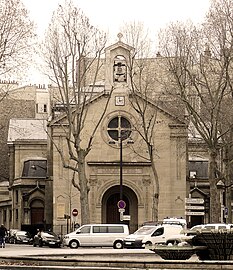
[
  {"x": 22, "y": 233},
  {"x": 145, "y": 230},
  {"x": 49, "y": 234},
  {"x": 195, "y": 228}
]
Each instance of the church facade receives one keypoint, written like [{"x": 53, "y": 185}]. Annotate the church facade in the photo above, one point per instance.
[{"x": 110, "y": 154}]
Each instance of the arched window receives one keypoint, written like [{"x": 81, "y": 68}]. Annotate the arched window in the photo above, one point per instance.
[
  {"x": 119, "y": 69},
  {"x": 119, "y": 128}
]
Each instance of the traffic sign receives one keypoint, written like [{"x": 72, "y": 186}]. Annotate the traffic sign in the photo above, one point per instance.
[
  {"x": 194, "y": 200},
  {"x": 194, "y": 213},
  {"x": 121, "y": 204},
  {"x": 75, "y": 212},
  {"x": 126, "y": 217},
  {"x": 194, "y": 207}
]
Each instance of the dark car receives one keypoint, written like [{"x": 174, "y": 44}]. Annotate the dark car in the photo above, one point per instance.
[
  {"x": 47, "y": 238},
  {"x": 20, "y": 237}
]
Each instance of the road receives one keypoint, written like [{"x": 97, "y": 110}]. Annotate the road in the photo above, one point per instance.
[
  {"x": 27, "y": 257},
  {"x": 29, "y": 250},
  {"x": 81, "y": 258}
]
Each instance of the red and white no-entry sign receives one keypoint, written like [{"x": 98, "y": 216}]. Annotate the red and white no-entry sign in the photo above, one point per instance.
[{"x": 75, "y": 212}]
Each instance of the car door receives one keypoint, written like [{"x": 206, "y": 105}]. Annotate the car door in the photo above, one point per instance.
[
  {"x": 83, "y": 235},
  {"x": 158, "y": 236},
  {"x": 100, "y": 236}
]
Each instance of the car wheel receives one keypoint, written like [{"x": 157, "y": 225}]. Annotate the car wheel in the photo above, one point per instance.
[
  {"x": 148, "y": 243},
  {"x": 173, "y": 242},
  {"x": 73, "y": 244},
  {"x": 118, "y": 245}
]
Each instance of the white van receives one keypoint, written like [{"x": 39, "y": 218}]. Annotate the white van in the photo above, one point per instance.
[
  {"x": 189, "y": 234},
  {"x": 151, "y": 235},
  {"x": 97, "y": 235}
]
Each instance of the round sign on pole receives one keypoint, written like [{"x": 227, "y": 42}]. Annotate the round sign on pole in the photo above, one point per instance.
[
  {"x": 75, "y": 212},
  {"x": 121, "y": 204}
]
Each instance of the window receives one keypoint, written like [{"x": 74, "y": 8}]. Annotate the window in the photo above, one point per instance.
[
  {"x": 16, "y": 196},
  {"x": 4, "y": 215},
  {"x": 41, "y": 108},
  {"x": 198, "y": 169},
  {"x": 10, "y": 216},
  {"x": 35, "y": 168},
  {"x": 85, "y": 229},
  {"x": 100, "y": 229},
  {"x": 119, "y": 128},
  {"x": 115, "y": 229},
  {"x": 158, "y": 232}
]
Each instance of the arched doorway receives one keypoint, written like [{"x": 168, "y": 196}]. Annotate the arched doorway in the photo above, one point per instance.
[{"x": 110, "y": 213}]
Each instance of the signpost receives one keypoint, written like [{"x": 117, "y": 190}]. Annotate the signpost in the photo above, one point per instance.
[
  {"x": 75, "y": 212},
  {"x": 194, "y": 207},
  {"x": 121, "y": 208},
  {"x": 121, "y": 204}
]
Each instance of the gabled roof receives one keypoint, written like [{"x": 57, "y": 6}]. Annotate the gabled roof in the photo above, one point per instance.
[
  {"x": 63, "y": 115},
  {"x": 160, "y": 108},
  {"x": 150, "y": 101},
  {"x": 198, "y": 190},
  {"x": 35, "y": 189},
  {"x": 119, "y": 44}
]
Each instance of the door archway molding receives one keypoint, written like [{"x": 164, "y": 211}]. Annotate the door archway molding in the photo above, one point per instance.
[{"x": 138, "y": 192}]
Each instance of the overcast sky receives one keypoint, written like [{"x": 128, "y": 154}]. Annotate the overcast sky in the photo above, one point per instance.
[{"x": 109, "y": 15}]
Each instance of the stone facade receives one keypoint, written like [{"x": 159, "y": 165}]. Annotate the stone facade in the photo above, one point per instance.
[{"x": 170, "y": 137}]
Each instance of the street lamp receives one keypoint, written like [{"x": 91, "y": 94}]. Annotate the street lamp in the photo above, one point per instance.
[
  {"x": 224, "y": 209},
  {"x": 123, "y": 135},
  {"x": 130, "y": 141}
]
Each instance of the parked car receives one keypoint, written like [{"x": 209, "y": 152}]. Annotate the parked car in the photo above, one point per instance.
[
  {"x": 97, "y": 235},
  {"x": 187, "y": 235},
  {"x": 151, "y": 235},
  {"x": 20, "y": 237},
  {"x": 47, "y": 238}
]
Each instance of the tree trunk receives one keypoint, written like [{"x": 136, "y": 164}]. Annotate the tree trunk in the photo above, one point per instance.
[
  {"x": 215, "y": 204},
  {"x": 229, "y": 177},
  {"x": 84, "y": 189},
  {"x": 156, "y": 192}
]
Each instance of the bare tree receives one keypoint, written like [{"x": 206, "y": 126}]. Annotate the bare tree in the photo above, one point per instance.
[
  {"x": 16, "y": 38},
  {"x": 141, "y": 70},
  {"x": 197, "y": 60},
  {"x": 72, "y": 50}
]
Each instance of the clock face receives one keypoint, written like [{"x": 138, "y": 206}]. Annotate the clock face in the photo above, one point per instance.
[{"x": 120, "y": 101}]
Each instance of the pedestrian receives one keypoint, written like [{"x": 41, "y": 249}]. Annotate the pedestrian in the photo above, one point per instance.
[{"x": 3, "y": 232}]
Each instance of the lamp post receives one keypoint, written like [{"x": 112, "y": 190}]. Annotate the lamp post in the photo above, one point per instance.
[
  {"x": 123, "y": 135},
  {"x": 121, "y": 170},
  {"x": 224, "y": 209}
]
